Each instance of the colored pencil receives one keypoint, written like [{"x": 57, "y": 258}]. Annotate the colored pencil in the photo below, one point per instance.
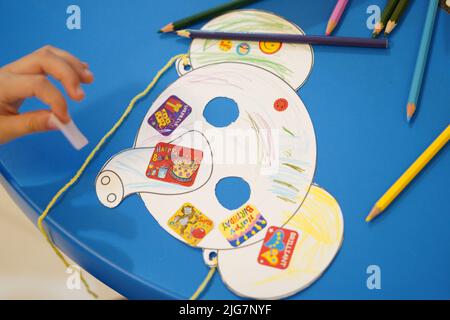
[
  {"x": 396, "y": 15},
  {"x": 207, "y": 14},
  {"x": 336, "y": 16},
  {"x": 409, "y": 174},
  {"x": 422, "y": 58},
  {"x": 286, "y": 38},
  {"x": 385, "y": 15}
]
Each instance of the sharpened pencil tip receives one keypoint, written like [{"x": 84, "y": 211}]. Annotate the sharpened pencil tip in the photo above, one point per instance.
[
  {"x": 389, "y": 27},
  {"x": 373, "y": 213},
  {"x": 377, "y": 30},
  {"x": 184, "y": 33},
  {"x": 167, "y": 28},
  {"x": 330, "y": 27},
  {"x": 410, "y": 110}
]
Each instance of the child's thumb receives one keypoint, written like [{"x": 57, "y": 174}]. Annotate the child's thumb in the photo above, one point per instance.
[{"x": 12, "y": 127}]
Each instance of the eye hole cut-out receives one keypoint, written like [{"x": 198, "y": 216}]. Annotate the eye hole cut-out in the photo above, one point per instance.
[
  {"x": 232, "y": 192},
  {"x": 220, "y": 112}
]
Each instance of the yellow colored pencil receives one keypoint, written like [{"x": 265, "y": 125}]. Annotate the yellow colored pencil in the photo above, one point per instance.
[{"x": 409, "y": 174}]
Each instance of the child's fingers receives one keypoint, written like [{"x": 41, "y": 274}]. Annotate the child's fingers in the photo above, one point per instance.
[
  {"x": 45, "y": 91},
  {"x": 17, "y": 87},
  {"x": 24, "y": 66},
  {"x": 15, "y": 126},
  {"x": 44, "y": 61},
  {"x": 53, "y": 65},
  {"x": 81, "y": 68}
]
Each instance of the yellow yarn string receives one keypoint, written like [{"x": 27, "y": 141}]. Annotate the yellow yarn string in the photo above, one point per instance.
[
  {"x": 185, "y": 60},
  {"x": 205, "y": 282},
  {"x": 89, "y": 159}
]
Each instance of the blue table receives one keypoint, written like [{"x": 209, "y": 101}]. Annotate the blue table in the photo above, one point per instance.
[{"x": 356, "y": 99}]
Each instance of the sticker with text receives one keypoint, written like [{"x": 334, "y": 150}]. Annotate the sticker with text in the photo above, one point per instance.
[
  {"x": 174, "y": 164},
  {"x": 170, "y": 115},
  {"x": 242, "y": 225},
  {"x": 278, "y": 247},
  {"x": 191, "y": 224}
]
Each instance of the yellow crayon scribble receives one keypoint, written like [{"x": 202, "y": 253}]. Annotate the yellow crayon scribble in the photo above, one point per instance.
[{"x": 320, "y": 227}]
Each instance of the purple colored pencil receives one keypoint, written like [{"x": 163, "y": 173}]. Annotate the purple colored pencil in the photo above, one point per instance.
[{"x": 286, "y": 38}]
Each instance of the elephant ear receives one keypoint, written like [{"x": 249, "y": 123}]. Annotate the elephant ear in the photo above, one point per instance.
[{"x": 291, "y": 257}]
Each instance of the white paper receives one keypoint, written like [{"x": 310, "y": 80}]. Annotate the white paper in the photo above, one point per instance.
[
  {"x": 71, "y": 132},
  {"x": 274, "y": 133}
]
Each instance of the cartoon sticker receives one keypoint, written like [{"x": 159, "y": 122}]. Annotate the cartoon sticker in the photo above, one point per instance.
[
  {"x": 270, "y": 47},
  {"x": 242, "y": 225},
  {"x": 225, "y": 45},
  {"x": 174, "y": 164},
  {"x": 243, "y": 49},
  {"x": 170, "y": 115},
  {"x": 281, "y": 104},
  {"x": 191, "y": 224},
  {"x": 278, "y": 247}
]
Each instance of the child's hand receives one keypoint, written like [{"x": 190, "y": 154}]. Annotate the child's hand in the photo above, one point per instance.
[{"x": 27, "y": 77}]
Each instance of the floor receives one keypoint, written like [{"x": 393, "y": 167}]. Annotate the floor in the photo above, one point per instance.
[{"x": 29, "y": 269}]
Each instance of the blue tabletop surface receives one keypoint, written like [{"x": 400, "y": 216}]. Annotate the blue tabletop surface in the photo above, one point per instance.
[{"x": 356, "y": 99}]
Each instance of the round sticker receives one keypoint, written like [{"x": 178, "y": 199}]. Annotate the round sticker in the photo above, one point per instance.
[
  {"x": 281, "y": 104},
  {"x": 243, "y": 49},
  {"x": 270, "y": 47},
  {"x": 225, "y": 45}
]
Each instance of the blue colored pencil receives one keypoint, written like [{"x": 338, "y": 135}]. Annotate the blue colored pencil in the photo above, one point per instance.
[{"x": 422, "y": 58}]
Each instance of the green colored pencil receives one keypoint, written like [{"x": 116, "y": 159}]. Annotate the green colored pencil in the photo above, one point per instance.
[
  {"x": 395, "y": 18},
  {"x": 387, "y": 13},
  {"x": 208, "y": 14}
]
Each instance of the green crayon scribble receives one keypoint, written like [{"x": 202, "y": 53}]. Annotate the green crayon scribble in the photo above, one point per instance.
[
  {"x": 288, "y": 131},
  {"x": 293, "y": 166},
  {"x": 211, "y": 57},
  {"x": 286, "y": 199},
  {"x": 257, "y": 130},
  {"x": 286, "y": 184},
  {"x": 288, "y": 153}
]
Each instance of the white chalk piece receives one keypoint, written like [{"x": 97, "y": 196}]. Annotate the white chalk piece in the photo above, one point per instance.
[{"x": 71, "y": 132}]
